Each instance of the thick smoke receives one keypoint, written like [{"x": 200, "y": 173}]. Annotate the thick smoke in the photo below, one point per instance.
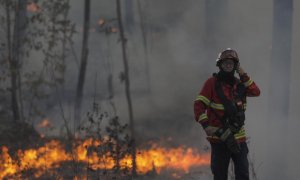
[{"x": 180, "y": 62}]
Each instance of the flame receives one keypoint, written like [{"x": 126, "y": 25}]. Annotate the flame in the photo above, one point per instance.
[
  {"x": 176, "y": 158},
  {"x": 42, "y": 158},
  {"x": 101, "y": 22},
  {"x": 53, "y": 154},
  {"x": 113, "y": 30},
  {"x": 44, "y": 124}
]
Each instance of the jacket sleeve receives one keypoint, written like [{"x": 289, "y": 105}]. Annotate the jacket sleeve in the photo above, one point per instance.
[
  {"x": 202, "y": 102},
  {"x": 252, "y": 89}
]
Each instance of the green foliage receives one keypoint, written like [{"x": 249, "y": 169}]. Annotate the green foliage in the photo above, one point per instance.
[{"x": 47, "y": 32}]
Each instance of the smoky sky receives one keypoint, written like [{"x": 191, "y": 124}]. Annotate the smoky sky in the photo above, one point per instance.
[{"x": 179, "y": 62}]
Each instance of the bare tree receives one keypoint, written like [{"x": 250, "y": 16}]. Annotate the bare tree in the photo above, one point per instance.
[
  {"x": 14, "y": 102},
  {"x": 32, "y": 27},
  {"x": 125, "y": 77},
  {"x": 84, "y": 59},
  {"x": 60, "y": 31},
  {"x": 18, "y": 41},
  {"x": 14, "y": 44},
  {"x": 280, "y": 86}
]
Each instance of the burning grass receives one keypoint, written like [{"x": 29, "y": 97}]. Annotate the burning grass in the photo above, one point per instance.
[{"x": 88, "y": 158}]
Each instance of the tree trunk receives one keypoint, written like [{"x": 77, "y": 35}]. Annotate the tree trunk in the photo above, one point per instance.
[
  {"x": 63, "y": 56},
  {"x": 279, "y": 87},
  {"x": 84, "y": 59},
  {"x": 13, "y": 65},
  {"x": 18, "y": 40},
  {"x": 127, "y": 86}
]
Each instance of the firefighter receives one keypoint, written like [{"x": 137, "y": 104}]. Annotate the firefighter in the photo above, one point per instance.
[{"x": 220, "y": 109}]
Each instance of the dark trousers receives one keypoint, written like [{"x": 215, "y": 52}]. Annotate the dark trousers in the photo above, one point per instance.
[{"x": 220, "y": 158}]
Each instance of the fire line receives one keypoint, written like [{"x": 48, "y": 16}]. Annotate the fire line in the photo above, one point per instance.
[{"x": 53, "y": 154}]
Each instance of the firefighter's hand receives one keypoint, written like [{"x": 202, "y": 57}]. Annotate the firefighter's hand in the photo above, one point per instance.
[
  {"x": 210, "y": 130},
  {"x": 240, "y": 70}
]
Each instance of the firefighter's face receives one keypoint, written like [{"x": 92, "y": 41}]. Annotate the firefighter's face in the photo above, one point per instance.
[{"x": 227, "y": 65}]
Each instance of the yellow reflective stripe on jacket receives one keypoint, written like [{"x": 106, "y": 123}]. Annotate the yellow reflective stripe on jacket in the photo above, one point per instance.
[
  {"x": 213, "y": 137},
  {"x": 248, "y": 83},
  {"x": 203, "y": 99},
  {"x": 245, "y": 105},
  {"x": 202, "y": 117},
  {"x": 217, "y": 106},
  {"x": 240, "y": 134},
  {"x": 207, "y": 102}
]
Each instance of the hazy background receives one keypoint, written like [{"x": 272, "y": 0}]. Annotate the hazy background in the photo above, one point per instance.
[{"x": 179, "y": 63}]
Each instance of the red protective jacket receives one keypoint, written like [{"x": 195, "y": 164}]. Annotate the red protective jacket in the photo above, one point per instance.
[{"x": 208, "y": 100}]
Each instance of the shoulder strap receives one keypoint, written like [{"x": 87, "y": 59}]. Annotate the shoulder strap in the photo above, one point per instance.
[
  {"x": 222, "y": 119},
  {"x": 229, "y": 106}
]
